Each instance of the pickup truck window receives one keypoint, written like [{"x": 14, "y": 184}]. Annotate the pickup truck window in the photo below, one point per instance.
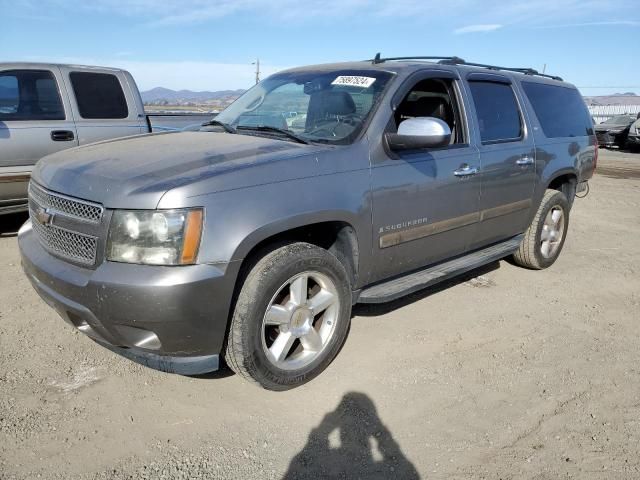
[
  {"x": 99, "y": 95},
  {"x": 497, "y": 111},
  {"x": 560, "y": 110},
  {"x": 29, "y": 95},
  {"x": 318, "y": 106}
]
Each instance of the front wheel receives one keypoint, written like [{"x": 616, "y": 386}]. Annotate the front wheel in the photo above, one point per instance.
[
  {"x": 544, "y": 239},
  {"x": 291, "y": 317}
]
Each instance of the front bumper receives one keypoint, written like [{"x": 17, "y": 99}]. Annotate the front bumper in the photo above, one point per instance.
[
  {"x": 633, "y": 139},
  {"x": 169, "y": 318}
]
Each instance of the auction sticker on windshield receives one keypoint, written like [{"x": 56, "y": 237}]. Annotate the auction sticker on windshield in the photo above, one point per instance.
[{"x": 353, "y": 81}]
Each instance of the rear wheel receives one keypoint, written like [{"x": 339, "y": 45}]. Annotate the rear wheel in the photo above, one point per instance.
[
  {"x": 291, "y": 317},
  {"x": 544, "y": 239}
]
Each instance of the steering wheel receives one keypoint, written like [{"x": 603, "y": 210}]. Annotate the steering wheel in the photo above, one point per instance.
[
  {"x": 330, "y": 126},
  {"x": 351, "y": 119},
  {"x": 327, "y": 126}
]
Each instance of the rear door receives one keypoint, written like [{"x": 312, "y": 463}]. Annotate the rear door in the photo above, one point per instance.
[
  {"x": 507, "y": 156},
  {"x": 103, "y": 104},
  {"x": 35, "y": 120}
]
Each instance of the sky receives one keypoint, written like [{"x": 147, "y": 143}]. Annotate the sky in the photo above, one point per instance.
[{"x": 211, "y": 44}]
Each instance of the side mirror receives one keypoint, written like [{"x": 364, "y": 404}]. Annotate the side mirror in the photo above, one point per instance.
[{"x": 420, "y": 132}]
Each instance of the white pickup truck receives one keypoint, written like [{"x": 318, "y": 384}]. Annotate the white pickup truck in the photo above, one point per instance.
[{"x": 45, "y": 108}]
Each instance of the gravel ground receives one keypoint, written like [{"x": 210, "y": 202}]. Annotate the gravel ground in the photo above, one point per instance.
[{"x": 506, "y": 373}]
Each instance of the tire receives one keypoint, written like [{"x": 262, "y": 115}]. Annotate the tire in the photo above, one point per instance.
[
  {"x": 544, "y": 239},
  {"x": 271, "y": 340}
]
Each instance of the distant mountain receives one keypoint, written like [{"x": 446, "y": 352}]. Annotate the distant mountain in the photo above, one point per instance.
[
  {"x": 160, "y": 94},
  {"x": 628, "y": 98}
]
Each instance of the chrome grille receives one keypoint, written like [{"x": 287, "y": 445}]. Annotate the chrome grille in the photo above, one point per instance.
[
  {"x": 82, "y": 210},
  {"x": 63, "y": 225},
  {"x": 75, "y": 246}
]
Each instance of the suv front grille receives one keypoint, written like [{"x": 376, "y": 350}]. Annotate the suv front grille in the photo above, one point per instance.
[
  {"x": 82, "y": 210},
  {"x": 72, "y": 245},
  {"x": 61, "y": 223}
]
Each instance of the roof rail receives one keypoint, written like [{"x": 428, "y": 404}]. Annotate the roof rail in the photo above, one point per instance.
[
  {"x": 377, "y": 59},
  {"x": 459, "y": 61}
]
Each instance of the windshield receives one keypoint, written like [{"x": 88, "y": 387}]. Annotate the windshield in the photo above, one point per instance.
[
  {"x": 619, "y": 120},
  {"x": 317, "y": 106}
]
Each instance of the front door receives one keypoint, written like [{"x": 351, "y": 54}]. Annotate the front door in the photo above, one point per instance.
[
  {"x": 425, "y": 202},
  {"x": 35, "y": 120}
]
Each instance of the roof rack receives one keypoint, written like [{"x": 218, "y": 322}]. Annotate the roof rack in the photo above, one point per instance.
[{"x": 459, "y": 61}]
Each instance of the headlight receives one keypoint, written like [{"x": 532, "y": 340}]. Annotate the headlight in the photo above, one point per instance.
[{"x": 158, "y": 237}]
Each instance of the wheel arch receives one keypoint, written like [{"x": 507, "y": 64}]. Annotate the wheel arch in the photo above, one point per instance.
[
  {"x": 565, "y": 181},
  {"x": 333, "y": 231}
]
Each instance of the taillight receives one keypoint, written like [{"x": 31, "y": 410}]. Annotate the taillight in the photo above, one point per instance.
[{"x": 595, "y": 156}]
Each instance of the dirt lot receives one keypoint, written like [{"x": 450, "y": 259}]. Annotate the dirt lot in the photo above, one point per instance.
[{"x": 507, "y": 373}]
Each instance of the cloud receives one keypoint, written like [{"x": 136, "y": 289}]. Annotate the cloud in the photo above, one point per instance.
[{"x": 480, "y": 28}]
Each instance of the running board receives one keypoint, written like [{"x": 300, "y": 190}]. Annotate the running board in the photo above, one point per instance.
[{"x": 399, "y": 287}]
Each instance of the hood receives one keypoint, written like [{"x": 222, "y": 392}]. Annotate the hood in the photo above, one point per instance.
[
  {"x": 608, "y": 128},
  {"x": 605, "y": 127},
  {"x": 136, "y": 172}
]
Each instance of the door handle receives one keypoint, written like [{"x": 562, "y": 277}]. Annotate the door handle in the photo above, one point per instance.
[
  {"x": 525, "y": 160},
  {"x": 465, "y": 170},
  {"x": 62, "y": 135}
]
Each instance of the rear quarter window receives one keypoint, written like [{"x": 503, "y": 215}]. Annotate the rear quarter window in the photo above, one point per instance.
[
  {"x": 561, "y": 111},
  {"x": 99, "y": 95}
]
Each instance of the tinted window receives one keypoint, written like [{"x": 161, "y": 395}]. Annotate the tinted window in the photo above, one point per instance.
[
  {"x": 560, "y": 110},
  {"x": 29, "y": 95},
  {"x": 497, "y": 110},
  {"x": 99, "y": 95}
]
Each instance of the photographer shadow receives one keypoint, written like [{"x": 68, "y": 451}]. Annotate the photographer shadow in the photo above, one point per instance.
[{"x": 351, "y": 442}]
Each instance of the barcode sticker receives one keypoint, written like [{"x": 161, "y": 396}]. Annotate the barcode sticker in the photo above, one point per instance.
[{"x": 353, "y": 81}]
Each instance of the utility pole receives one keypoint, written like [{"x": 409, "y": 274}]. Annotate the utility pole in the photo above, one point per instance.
[{"x": 257, "y": 64}]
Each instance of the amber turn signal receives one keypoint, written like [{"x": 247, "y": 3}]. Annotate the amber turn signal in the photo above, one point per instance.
[{"x": 192, "y": 235}]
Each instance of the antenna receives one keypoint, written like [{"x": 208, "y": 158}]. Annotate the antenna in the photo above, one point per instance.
[{"x": 257, "y": 64}]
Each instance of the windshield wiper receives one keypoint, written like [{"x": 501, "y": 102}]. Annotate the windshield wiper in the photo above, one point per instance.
[
  {"x": 217, "y": 123},
  {"x": 267, "y": 128}
]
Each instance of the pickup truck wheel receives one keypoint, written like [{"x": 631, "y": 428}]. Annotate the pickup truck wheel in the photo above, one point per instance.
[
  {"x": 291, "y": 317},
  {"x": 545, "y": 237}
]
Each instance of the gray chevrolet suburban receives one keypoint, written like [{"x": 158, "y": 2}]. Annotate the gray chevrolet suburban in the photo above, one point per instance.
[{"x": 321, "y": 187}]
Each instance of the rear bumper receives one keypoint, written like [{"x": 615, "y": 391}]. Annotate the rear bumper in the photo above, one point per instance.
[{"x": 168, "y": 318}]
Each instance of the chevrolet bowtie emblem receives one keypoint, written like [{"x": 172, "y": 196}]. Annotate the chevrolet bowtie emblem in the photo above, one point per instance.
[{"x": 44, "y": 217}]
